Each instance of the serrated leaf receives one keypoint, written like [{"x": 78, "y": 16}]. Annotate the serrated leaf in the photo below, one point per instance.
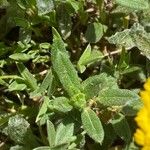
[
  {"x": 44, "y": 6},
  {"x": 28, "y": 77},
  {"x": 116, "y": 97},
  {"x": 64, "y": 133},
  {"x": 94, "y": 32},
  {"x": 92, "y": 125},
  {"x": 63, "y": 66},
  {"x": 60, "y": 105},
  {"x": 51, "y": 133},
  {"x": 121, "y": 127},
  {"x": 134, "y": 4}
]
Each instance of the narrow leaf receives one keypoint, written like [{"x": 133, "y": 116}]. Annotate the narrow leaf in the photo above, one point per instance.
[
  {"x": 28, "y": 77},
  {"x": 51, "y": 133},
  {"x": 134, "y": 4},
  {"x": 44, "y": 6}
]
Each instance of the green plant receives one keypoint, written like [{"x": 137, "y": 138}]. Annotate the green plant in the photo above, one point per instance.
[{"x": 70, "y": 73}]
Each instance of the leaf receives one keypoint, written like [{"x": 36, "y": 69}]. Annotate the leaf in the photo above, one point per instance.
[
  {"x": 60, "y": 147},
  {"x": 22, "y": 57},
  {"x": 134, "y": 4},
  {"x": 42, "y": 89},
  {"x": 19, "y": 147},
  {"x": 141, "y": 39},
  {"x": 22, "y": 22},
  {"x": 3, "y": 4},
  {"x": 122, "y": 38},
  {"x": 43, "y": 109},
  {"x": 78, "y": 101},
  {"x": 88, "y": 57},
  {"x": 94, "y": 32},
  {"x": 16, "y": 86},
  {"x": 94, "y": 84},
  {"x": 92, "y": 125},
  {"x": 42, "y": 148},
  {"x": 132, "y": 107},
  {"x": 60, "y": 105},
  {"x": 51, "y": 133},
  {"x": 64, "y": 20},
  {"x": 44, "y": 6},
  {"x": 64, "y": 133},
  {"x": 63, "y": 66},
  {"x": 116, "y": 97},
  {"x": 28, "y": 77},
  {"x": 121, "y": 127},
  {"x": 4, "y": 118},
  {"x": 19, "y": 131},
  {"x": 44, "y": 45}
]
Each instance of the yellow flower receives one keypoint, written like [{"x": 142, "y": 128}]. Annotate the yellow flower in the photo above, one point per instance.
[{"x": 142, "y": 135}]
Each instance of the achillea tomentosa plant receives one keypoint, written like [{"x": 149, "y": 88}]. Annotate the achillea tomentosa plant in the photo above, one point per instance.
[
  {"x": 70, "y": 73},
  {"x": 142, "y": 135}
]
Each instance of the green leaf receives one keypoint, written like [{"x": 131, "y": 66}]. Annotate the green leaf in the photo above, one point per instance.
[
  {"x": 121, "y": 127},
  {"x": 122, "y": 38},
  {"x": 42, "y": 89},
  {"x": 134, "y": 4},
  {"x": 94, "y": 32},
  {"x": 28, "y": 77},
  {"x": 19, "y": 131},
  {"x": 4, "y": 118},
  {"x": 22, "y": 22},
  {"x": 42, "y": 148},
  {"x": 63, "y": 66},
  {"x": 64, "y": 133},
  {"x": 116, "y": 97},
  {"x": 3, "y": 4},
  {"x": 44, "y": 45},
  {"x": 43, "y": 109},
  {"x": 78, "y": 101},
  {"x": 132, "y": 107},
  {"x": 60, "y": 105},
  {"x": 64, "y": 21},
  {"x": 20, "y": 57},
  {"x": 44, "y": 6},
  {"x": 88, "y": 57},
  {"x": 60, "y": 147},
  {"x": 94, "y": 84},
  {"x": 92, "y": 125},
  {"x": 141, "y": 39},
  {"x": 51, "y": 133},
  {"x": 16, "y": 86},
  {"x": 19, "y": 147}
]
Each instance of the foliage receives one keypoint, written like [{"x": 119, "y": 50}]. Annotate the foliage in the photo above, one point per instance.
[{"x": 70, "y": 73}]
